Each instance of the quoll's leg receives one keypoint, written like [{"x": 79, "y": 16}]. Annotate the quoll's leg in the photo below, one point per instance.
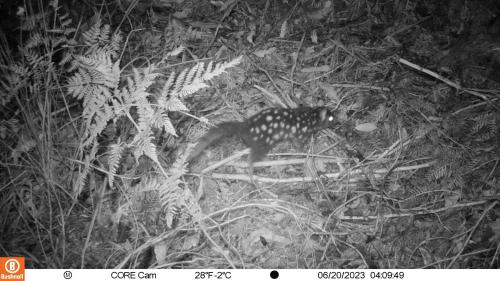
[
  {"x": 255, "y": 156},
  {"x": 299, "y": 144},
  {"x": 250, "y": 172},
  {"x": 257, "y": 153}
]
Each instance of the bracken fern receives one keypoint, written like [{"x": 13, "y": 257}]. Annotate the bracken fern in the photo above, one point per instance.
[{"x": 108, "y": 95}]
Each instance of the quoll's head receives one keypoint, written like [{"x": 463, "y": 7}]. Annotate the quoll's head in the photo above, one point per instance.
[{"x": 327, "y": 118}]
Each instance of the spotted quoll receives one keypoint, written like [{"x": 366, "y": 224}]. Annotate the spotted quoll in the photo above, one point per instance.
[{"x": 263, "y": 130}]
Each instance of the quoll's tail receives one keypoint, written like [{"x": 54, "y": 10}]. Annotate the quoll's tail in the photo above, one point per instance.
[{"x": 224, "y": 129}]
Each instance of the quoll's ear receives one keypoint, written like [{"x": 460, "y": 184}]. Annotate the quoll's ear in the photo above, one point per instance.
[{"x": 323, "y": 114}]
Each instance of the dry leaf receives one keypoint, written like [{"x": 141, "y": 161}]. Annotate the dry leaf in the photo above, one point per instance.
[
  {"x": 283, "y": 29},
  {"x": 314, "y": 36},
  {"x": 263, "y": 53},
  {"x": 160, "y": 252},
  {"x": 330, "y": 91},
  {"x": 451, "y": 200},
  {"x": 251, "y": 34},
  {"x": 191, "y": 241},
  {"x": 366, "y": 127}
]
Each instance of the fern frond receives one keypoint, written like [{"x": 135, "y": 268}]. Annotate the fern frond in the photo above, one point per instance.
[
  {"x": 194, "y": 72},
  {"x": 180, "y": 81},
  {"x": 192, "y": 80},
  {"x": 165, "y": 93},
  {"x": 33, "y": 57},
  {"x": 220, "y": 68},
  {"x": 99, "y": 119},
  {"x": 495, "y": 124},
  {"x": 173, "y": 198},
  {"x": 96, "y": 79},
  {"x": 114, "y": 45},
  {"x": 78, "y": 83},
  {"x": 115, "y": 155},
  {"x": 170, "y": 199},
  {"x": 36, "y": 39},
  {"x": 99, "y": 68},
  {"x": 98, "y": 39},
  {"x": 145, "y": 113},
  {"x": 167, "y": 125},
  {"x": 481, "y": 121},
  {"x": 458, "y": 181},
  {"x": 84, "y": 171},
  {"x": 438, "y": 172},
  {"x": 67, "y": 57},
  {"x": 192, "y": 88},
  {"x": 91, "y": 36},
  {"x": 144, "y": 80},
  {"x": 486, "y": 136},
  {"x": 175, "y": 52},
  {"x": 103, "y": 36},
  {"x": 143, "y": 145},
  {"x": 186, "y": 83},
  {"x": 9, "y": 128},
  {"x": 149, "y": 149},
  {"x": 175, "y": 104},
  {"x": 169, "y": 83},
  {"x": 208, "y": 74},
  {"x": 156, "y": 120},
  {"x": 65, "y": 22}
]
